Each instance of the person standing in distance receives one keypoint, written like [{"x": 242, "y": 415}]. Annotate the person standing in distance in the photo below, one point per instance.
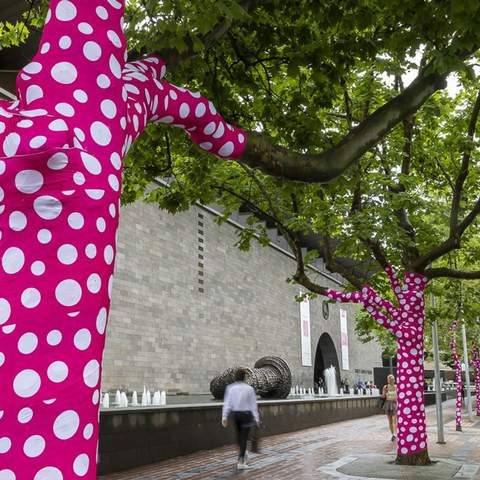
[{"x": 240, "y": 403}]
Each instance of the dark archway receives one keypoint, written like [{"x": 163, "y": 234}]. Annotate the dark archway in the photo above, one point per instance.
[{"x": 325, "y": 356}]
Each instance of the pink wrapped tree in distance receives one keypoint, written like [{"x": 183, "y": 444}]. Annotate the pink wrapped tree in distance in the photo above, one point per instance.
[
  {"x": 458, "y": 377},
  {"x": 476, "y": 365},
  {"x": 406, "y": 321},
  {"x": 80, "y": 107}
]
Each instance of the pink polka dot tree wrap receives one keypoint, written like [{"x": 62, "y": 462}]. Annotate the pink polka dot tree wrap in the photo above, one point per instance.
[
  {"x": 406, "y": 321},
  {"x": 458, "y": 376},
  {"x": 476, "y": 365},
  {"x": 62, "y": 143}
]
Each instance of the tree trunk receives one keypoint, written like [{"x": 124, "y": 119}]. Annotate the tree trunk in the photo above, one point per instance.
[
  {"x": 61, "y": 147},
  {"x": 458, "y": 378},
  {"x": 476, "y": 364},
  {"x": 407, "y": 322},
  {"x": 412, "y": 433}
]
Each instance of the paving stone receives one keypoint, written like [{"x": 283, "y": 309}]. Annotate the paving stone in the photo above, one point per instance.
[{"x": 308, "y": 454}]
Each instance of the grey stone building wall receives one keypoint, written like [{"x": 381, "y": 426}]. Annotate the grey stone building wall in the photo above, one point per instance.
[{"x": 178, "y": 319}]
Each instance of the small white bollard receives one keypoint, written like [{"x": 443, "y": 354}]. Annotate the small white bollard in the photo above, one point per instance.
[{"x": 106, "y": 401}]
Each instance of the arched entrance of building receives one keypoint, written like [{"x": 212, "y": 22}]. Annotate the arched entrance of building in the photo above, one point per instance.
[{"x": 325, "y": 357}]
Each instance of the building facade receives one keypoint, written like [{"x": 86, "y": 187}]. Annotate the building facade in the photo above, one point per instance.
[{"x": 187, "y": 304}]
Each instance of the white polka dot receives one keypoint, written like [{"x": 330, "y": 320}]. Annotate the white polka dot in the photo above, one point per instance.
[
  {"x": 27, "y": 343},
  {"x": 113, "y": 182},
  {"x": 206, "y": 145},
  {"x": 27, "y": 383},
  {"x": 13, "y": 260},
  {"x": 67, "y": 254},
  {"x": 108, "y": 108},
  {"x": 85, "y": 28},
  {"x": 91, "y": 163},
  {"x": 34, "y": 92},
  {"x": 65, "y": 109},
  {"x": 81, "y": 464},
  {"x": 68, "y": 292},
  {"x": 94, "y": 283},
  {"x": 64, "y": 72},
  {"x": 82, "y": 339},
  {"x": 108, "y": 254},
  {"x": 103, "y": 81},
  {"x": 65, "y": 11},
  {"x": 92, "y": 51},
  {"x": 115, "y": 67},
  {"x": 200, "y": 110},
  {"x": 58, "y": 160},
  {"x": 57, "y": 371},
  {"x": 2, "y": 361},
  {"x": 79, "y": 178},
  {"x": 34, "y": 446},
  {"x": 101, "y": 321},
  {"x": 66, "y": 425},
  {"x": 227, "y": 149},
  {"x": 212, "y": 108},
  {"x": 25, "y": 415},
  {"x": 33, "y": 68},
  {"x": 5, "y": 444},
  {"x": 91, "y": 250},
  {"x": 100, "y": 133},
  {"x": 17, "y": 221},
  {"x": 114, "y": 38},
  {"x": 47, "y": 207},
  {"x": 30, "y": 298},
  {"x": 76, "y": 221},
  {"x": 101, "y": 225},
  {"x": 58, "y": 125},
  {"x": 210, "y": 128},
  {"x": 29, "y": 181},
  {"x": 54, "y": 337},
  {"x": 184, "y": 110},
  {"x": 7, "y": 475},
  {"x": 88, "y": 431},
  {"x": 44, "y": 236},
  {"x": 11, "y": 144},
  {"x": 110, "y": 286},
  {"x": 91, "y": 373},
  {"x": 65, "y": 42},
  {"x": 220, "y": 131},
  {"x": 116, "y": 160},
  {"x": 112, "y": 210},
  {"x": 49, "y": 473},
  {"x": 241, "y": 137},
  {"x": 45, "y": 48},
  {"x": 38, "y": 268}
]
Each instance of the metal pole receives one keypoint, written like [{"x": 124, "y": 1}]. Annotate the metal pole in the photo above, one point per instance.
[
  {"x": 467, "y": 372},
  {"x": 438, "y": 385}
]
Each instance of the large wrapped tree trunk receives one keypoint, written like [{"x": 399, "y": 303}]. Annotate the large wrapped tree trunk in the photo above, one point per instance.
[
  {"x": 61, "y": 148},
  {"x": 406, "y": 322},
  {"x": 458, "y": 377}
]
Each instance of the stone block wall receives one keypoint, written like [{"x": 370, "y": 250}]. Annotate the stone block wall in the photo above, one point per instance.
[{"x": 187, "y": 304}]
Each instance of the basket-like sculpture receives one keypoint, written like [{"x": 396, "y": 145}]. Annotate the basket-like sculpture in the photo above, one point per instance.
[{"x": 270, "y": 378}]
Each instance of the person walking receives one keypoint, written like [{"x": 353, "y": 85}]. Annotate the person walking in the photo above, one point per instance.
[
  {"x": 389, "y": 394},
  {"x": 240, "y": 403}
]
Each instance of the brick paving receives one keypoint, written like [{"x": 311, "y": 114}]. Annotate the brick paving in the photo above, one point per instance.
[{"x": 299, "y": 455}]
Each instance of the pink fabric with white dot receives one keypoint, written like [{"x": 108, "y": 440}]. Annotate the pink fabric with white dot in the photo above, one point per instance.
[
  {"x": 407, "y": 322},
  {"x": 61, "y": 149},
  {"x": 458, "y": 376},
  {"x": 476, "y": 364}
]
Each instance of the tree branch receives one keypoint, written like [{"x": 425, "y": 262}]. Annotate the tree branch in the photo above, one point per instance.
[
  {"x": 463, "y": 174},
  {"x": 278, "y": 161},
  {"x": 451, "y": 273}
]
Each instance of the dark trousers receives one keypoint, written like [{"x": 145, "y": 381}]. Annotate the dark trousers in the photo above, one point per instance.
[{"x": 243, "y": 422}]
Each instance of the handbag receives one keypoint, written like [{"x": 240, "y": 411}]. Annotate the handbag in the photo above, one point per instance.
[{"x": 255, "y": 440}]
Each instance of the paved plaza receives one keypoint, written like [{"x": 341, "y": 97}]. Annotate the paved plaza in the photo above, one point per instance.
[{"x": 360, "y": 448}]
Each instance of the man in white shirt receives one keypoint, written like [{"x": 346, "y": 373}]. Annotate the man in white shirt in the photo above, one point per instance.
[{"x": 240, "y": 401}]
